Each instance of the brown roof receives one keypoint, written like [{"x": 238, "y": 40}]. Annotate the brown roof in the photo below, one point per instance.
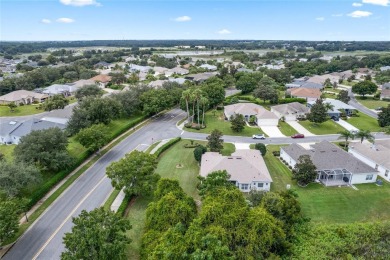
[
  {"x": 305, "y": 92},
  {"x": 102, "y": 78}
]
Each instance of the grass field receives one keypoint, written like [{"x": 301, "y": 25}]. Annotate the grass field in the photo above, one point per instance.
[
  {"x": 365, "y": 122},
  {"x": 370, "y": 103},
  {"x": 218, "y": 122},
  {"x": 20, "y": 110},
  {"x": 7, "y": 151},
  {"x": 286, "y": 129},
  {"x": 332, "y": 204},
  {"x": 328, "y": 127}
]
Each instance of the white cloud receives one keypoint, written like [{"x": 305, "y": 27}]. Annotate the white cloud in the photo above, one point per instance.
[
  {"x": 184, "y": 18},
  {"x": 377, "y": 2},
  {"x": 65, "y": 20},
  {"x": 320, "y": 19},
  {"x": 224, "y": 31},
  {"x": 360, "y": 14},
  {"x": 337, "y": 15},
  {"x": 357, "y": 4},
  {"x": 45, "y": 21},
  {"x": 80, "y": 2}
]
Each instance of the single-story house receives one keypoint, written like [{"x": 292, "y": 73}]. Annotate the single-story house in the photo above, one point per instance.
[
  {"x": 273, "y": 67},
  {"x": 338, "y": 107},
  {"x": 304, "y": 84},
  {"x": 135, "y": 68},
  {"x": 159, "y": 70},
  {"x": 385, "y": 93},
  {"x": 310, "y": 94},
  {"x": 262, "y": 116},
  {"x": 101, "y": 80},
  {"x": 176, "y": 70},
  {"x": 82, "y": 83},
  {"x": 291, "y": 111},
  {"x": 320, "y": 79},
  {"x": 335, "y": 167},
  {"x": 102, "y": 64},
  {"x": 246, "y": 168},
  {"x": 208, "y": 67},
  {"x": 157, "y": 83},
  {"x": 5, "y": 129},
  {"x": 22, "y": 97},
  {"x": 375, "y": 155},
  {"x": 200, "y": 77},
  {"x": 177, "y": 80}
]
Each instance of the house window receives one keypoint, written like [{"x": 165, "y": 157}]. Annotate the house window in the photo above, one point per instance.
[
  {"x": 376, "y": 166},
  {"x": 369, "y": 177},
  {"x": 244, "y": 186},
  {"x": 260, "y": 185},
  {"x": 387, "y": 173}
]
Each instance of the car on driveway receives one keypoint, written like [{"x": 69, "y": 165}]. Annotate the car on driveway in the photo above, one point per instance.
[
  {"x": 258, "y": 136},
  {"x": 298, "y": 136}
]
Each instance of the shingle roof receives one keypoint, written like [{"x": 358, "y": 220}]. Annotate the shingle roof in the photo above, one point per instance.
[
  {"x": 33, "y": 124},
  {"x": 378, "y": 153},
  {"x": 327, "y": 156},
  {"x": 102, "y": 78},
  {"x": 244, "y": 166},
  {"x": 8, "y": 127},
  {"x": 291, "y": 108},
  {"x": 249, "y": 109},
  {"x": 305, "y": 92},
  {"x": 19, "y": 94}
]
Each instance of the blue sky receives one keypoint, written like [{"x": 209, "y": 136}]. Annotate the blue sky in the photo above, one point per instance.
[{"x": 181, "y": 19}]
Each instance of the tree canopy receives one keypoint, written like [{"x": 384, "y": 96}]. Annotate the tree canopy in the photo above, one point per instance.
[
  {"x": 304, "y": 170},
  {"x": 93, "y": 137},
  {"x": 364, "y": 87},
  {"x": 215, "y": 142},
  {"x": 9, "y": 219},
  {"x": 318, "y": 112}
]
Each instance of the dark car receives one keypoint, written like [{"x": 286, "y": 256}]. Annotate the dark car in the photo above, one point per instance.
[{"x": 298, "y": 136}]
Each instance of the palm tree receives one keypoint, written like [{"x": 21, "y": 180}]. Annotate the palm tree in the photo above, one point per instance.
[
  {"x": 197, "y": 97},
  {"x": 328, "y": 106},
  {"x": 364, "y": 134},
  {"x": 186, "y": 95},
  {"x": 205, "y": 103},
  {"x": 346, "y": 135}
]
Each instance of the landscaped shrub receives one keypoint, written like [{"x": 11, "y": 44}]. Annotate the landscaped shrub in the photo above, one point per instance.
[
  {"x": 276, "y": 153},
  {"x": 164, "y": 147},
  {"x": 125, "y": 202},
  {"x": 290, "y": 100}
]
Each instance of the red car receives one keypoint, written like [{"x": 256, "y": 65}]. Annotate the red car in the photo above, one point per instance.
[{"x": 298, "y": 136}]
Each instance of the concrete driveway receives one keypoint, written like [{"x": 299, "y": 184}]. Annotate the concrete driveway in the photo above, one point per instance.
[
  {"x": 272, "y": 131},
  {"x": 300, "y": 129},
  {"x": 346, "y": 125}
]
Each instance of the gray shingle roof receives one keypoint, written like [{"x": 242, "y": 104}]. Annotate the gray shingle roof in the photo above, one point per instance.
[{"x": 33, "y": 124}]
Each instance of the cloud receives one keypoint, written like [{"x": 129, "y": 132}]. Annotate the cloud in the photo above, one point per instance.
[
  {"x": 184, "y": 18},
  {"x": 80, "y": 2},
  {"x": 45, "y": 21},
  {"x": 360, "y": 14},
  {"x": 65, "y": 20},
  {"x": 320, "y": 19},
  {"x": 377, "y": 2},
  {"x": 224, "y": 31},
  {"x": 337, "y": 15},
  {"x": 357, "y": 4}
]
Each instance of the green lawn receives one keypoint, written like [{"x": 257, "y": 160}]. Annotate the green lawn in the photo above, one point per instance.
[
  {"x": 20, "y": 110},
  {"x": 286, "y": 129},
  {"x": 332, "y": 204},
  {"x": 371, "y": 103},
  {"x": 7, "y": 150},
  {"x": 328, "y": 127},
  {"x": 218, "y": 122},
  {"x": 365, "y": 122}
]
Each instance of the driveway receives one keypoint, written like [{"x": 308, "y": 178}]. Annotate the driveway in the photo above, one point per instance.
[
  {"x": 272, "y": 131},
  {"x": 346, "y": 125},
  {"x": 300, "y": 129}
]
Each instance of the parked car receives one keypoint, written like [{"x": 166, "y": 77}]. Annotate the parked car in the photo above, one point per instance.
[
  {"x": 298, "y": 136},
  {"x": 258, "y": 136}
]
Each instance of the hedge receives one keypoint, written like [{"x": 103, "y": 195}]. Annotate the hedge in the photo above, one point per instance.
[
  {"x": 164, "y": 147},
  {"x": 290, "y": 100},
  {"x": 125, "y": 202},
  {"x": 58, "y": 177}
]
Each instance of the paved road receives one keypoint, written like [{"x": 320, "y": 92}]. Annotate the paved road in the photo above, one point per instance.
[
  {"x": 43, "y": 240},
  {"x": 353, "y": 102}
]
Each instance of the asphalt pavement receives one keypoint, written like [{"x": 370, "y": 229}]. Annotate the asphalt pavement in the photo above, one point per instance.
[{"x": 353, "y": 102}]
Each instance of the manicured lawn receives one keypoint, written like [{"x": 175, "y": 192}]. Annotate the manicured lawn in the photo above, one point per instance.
[
  {"x": 286, "y": 129},
  {"x": 371, "y": 103},
  {"x": 20, "y": 110},
  {"x": 365, "y": 122},
  {"x": 7, "y": 150},
  {"x": 347, "y": 83},
  {"x": 218, "y": 122},
  {"x": 326, "y": 128},
  {"x": 332, "y": 204}
]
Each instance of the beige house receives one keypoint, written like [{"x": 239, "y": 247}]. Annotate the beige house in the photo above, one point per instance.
[
  {"x": 263, "y": 117},
  {"x": 310, "y": 94},
  {"x": 290, "y": 111},
  {"x": 22, "y": 97},
  {"x": 246, "y": 168},
  {"x": 101, "y": 80}
]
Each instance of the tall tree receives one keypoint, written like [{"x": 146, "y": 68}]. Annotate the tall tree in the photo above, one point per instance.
[
  {"x": 384, "y": 117},
  {"x": 186, "y": 95},
  {"x": 246, "y": 83},
  {"x": 343, "y": 96},
  {"x": 135, "y": 173},
  {"x": 205, "y": 103},
  {"x": 346, "y": 135},
  {"x": 213, "y": 181},
  {"x": 98, "y": 234},
  {"x": 304, "y": 170},
  {"x": 364, "y": 87},
  {"x": 266, "y": 92},
  {"x": 318, "y": 113},
  {"x": 364, "y": 134},
  {"x": 44, "y": 148},
  {"x": 215, "y": 142},
  {"x": 88, "y": 91},
  {"x": 214, "y": 91},
  {"x": 9, "y": 220},
  {"x": 94, "y": 137},
  {"x": 55, "y": 102},
  {"x": 237, "y": 122}
]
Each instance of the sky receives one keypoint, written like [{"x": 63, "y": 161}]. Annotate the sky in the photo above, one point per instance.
[{"x": 68, "y": 20}]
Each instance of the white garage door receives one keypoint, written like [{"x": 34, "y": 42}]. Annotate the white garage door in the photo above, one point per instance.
[{"x": 267, "y": 122}]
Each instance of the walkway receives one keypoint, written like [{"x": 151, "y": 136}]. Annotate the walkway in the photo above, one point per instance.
[
  {"x": 300, "y": 129},
  {"x": 272, "y": 131},
  {"x": 346, "y": 125},
  {"x": 242, "y": 146}
]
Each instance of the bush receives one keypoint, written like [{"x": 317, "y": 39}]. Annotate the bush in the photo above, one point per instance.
[
  {"x": 386, "y": 99},
  {"x": 290, "y": 100},
  {"x": 261, "y": 147},
  {"x": 276, "y": 153},
  {"x": 122, "y": 208},
  {"x": 166, "y": 146}
]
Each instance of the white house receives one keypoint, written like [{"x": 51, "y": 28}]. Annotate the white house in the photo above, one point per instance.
[
  {"x": 375, "y": 155},
  {"x": 262, "y": 116},
  {"x": 208, "y": 67},
  {"x": 246, "y": 168},
  {"x": 291, "y": 111},
  {"x": 335, "y": 167}
]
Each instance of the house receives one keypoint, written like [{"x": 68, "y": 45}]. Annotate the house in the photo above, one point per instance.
[
  {"x": 101, "y": 80},
  {"x": 208, "y": 67},
  {"x": 338, "y": 107},
  {"x": 5, "y": 129},
  {"x": 157, "y": 83},
  {"x": 384, "y": 68},
  {"x": 320, "y": 79},
  {"x": 159, "y": 70},
  {"x": 303, "y": 83},
  {"x": 177, "y": 80},
  {"x": 24, "y": 97},
  {"x": 102, "y": 64},
  {"x": 335, "y": 167},
  {"x": 82, "y": 83},
  {"x": 57, "y": 89},
  {"x": 291, "y": 111},
  {"x": 244, "y": 70},
  {"x": 200, "y": 77},
  {"x": 262, "y": 116},
  {"x": 273, "y": 67},
  {"x": 176, "y": 70},
  {"x": 246, "y": 168},
  {"x": 135, "y": 68},
  {"x": 385, "y": 93},
  {"x": 310, "y": 94},
  {"x": 375, "y": 155}
]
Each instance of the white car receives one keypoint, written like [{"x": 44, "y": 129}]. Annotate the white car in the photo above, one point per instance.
[{"x": 258, "y": 136}]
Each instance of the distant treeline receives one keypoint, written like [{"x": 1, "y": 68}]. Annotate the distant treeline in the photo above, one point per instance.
[{"x": 300, "y": 46}]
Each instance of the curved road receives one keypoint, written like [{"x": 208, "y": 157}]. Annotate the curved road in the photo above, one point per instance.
[{"x": 43, "y": 240}]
